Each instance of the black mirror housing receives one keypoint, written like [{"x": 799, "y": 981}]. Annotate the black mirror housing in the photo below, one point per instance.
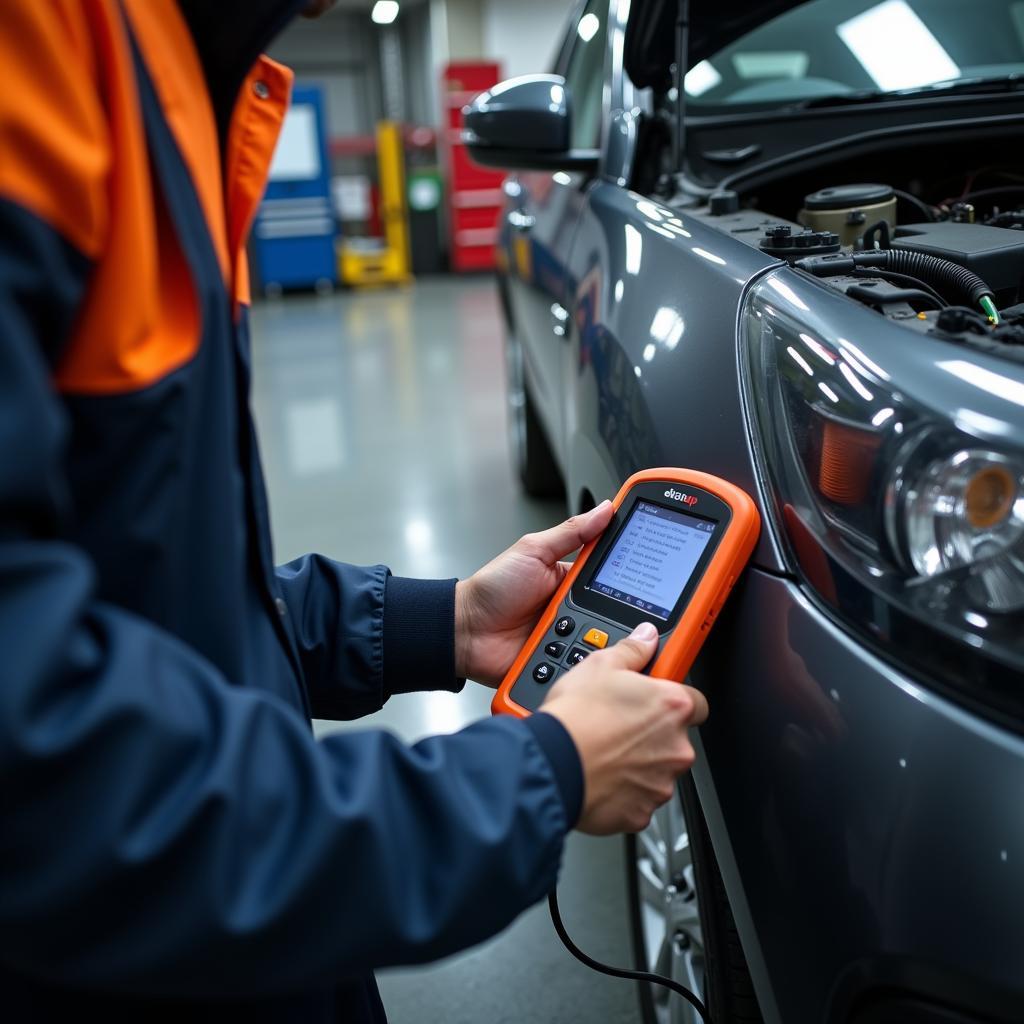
[{"x": 524, "y": 124}]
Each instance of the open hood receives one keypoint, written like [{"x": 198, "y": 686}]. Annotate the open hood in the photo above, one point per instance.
[{"x": 651, "y": 32}]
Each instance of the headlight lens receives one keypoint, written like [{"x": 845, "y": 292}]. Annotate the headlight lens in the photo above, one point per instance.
[
  {"x": 896, "y": 466},
  {"x": 960, "y": 510}
]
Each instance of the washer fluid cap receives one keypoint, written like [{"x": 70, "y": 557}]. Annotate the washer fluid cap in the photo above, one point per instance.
[{"x": 842, "y": 197}]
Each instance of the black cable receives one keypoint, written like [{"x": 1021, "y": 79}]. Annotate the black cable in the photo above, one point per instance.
[
  {"x": 922, "y": 206},
  {"x": 986, "y": 193},
  {"x": 902, "y": 279},
  {"x": 954, "y": 282},
  {"x": 620, "y": 972}
]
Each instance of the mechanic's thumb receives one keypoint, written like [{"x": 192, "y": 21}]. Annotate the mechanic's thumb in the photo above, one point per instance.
[
  {"x": 637, "y": 649},
  {"x": 559, "y": 541}
]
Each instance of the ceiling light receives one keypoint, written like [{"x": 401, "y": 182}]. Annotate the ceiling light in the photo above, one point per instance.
[
  {"x": 384, "y": 11},
  {"x": 896, "y": 48}
]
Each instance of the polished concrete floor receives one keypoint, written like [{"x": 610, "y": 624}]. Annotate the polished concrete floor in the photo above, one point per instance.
[{"x": 382, "y": 424}]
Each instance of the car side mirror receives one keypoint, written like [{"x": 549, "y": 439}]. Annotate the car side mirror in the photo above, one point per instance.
[{"x": 524, "y": 124}]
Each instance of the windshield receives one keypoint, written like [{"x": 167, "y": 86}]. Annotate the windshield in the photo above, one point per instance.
[{"x": 831, "y": 48}]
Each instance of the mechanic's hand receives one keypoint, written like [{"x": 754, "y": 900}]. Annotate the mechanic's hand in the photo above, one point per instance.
[
  {"x": 498, "y": 606},
  {"x": 630, "y": 731}
]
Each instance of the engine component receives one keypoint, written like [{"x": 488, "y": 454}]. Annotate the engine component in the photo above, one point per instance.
[
  {"x": 848, "y": 209},
  {"x": 949, "y": 279},
  {"x": 994, "y": 254},
  {"x": 780, "y": 240},
  {"x": 961, "y": 213},
  {"x": 721, "y": 203}
]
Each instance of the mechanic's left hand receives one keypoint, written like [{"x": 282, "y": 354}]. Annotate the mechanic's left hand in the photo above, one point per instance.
[{"x": 498, "y": 606}]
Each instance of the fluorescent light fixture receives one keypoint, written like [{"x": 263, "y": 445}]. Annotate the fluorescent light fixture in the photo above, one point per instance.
[
  {"x": 700, "y": 78},
  {"x": 384, "y": 11},
  {"x": 771, "y": 64},
  {"x": 588, "y": 26},
  {"x": 896, "y": 48}
]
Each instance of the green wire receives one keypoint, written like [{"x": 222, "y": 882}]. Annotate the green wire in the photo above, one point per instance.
[{"x": 988, "y": 307}]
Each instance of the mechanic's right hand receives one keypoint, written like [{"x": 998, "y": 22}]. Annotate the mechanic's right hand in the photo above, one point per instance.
[{"x": 630, "y": 731}]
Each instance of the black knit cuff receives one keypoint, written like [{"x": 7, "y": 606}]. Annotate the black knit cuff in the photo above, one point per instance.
[{"x": 419, "y": 635}]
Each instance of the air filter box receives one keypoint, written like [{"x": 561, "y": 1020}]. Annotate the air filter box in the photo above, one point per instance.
[{"x": 996, "y": 255}]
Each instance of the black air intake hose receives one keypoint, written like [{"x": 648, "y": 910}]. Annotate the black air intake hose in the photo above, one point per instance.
[{"x": 958, "y": 284}]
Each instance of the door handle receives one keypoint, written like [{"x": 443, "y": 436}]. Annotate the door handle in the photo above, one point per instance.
[
  {"x": 559, "y": 319},
  {"x": 521, "y": 221}
]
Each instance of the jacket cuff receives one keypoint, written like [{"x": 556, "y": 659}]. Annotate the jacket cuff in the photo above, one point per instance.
[
  {"x": 419, "y": 635},
  {"x": 554, "y": 739}
]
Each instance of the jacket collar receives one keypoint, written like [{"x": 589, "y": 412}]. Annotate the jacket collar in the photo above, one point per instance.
[{"x": 229, "y": 36}]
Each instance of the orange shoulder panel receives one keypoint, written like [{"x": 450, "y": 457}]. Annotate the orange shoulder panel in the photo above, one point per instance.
[
  {"x": 54, "y": 148},
  {"x": 139, "y": 320}
]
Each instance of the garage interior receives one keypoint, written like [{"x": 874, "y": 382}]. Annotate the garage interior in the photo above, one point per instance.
[
  {"x": 359, "y": 389},
  {"x": 357, "y": 392}
]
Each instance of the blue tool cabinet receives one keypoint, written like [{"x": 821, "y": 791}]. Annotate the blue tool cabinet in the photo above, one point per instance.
[{"x": 294, "y": 233}]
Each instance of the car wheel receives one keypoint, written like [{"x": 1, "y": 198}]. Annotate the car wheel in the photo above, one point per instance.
[
  {"x": 531, "y": 452},
  {"x": 682, "y": 926}
]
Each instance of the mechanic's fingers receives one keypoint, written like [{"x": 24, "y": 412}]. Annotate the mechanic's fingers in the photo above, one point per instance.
[
  {"x": 635, "y": 650},
  {"x": 551, "y": 545},
  {"x": 699, "y": 715}
]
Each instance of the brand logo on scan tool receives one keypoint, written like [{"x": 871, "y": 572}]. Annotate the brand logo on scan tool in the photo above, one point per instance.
[{"x": 686, "y": 499}]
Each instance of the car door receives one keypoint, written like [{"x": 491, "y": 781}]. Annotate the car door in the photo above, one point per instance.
[{"x": 544, "y": 211}]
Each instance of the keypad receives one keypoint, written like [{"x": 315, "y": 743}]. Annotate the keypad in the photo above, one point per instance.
[
  {"x": 544, "y": 672},
  {"x": 565, "y": 625},
  {"x": 576, "y": 655}
]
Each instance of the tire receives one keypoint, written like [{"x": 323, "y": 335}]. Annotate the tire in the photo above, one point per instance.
[
  {"x": 535, "y": 464},
  {"x": 689, "y": 919}
]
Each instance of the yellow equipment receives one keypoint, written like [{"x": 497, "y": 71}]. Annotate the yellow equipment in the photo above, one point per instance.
[{"x": 371, "y": 261}]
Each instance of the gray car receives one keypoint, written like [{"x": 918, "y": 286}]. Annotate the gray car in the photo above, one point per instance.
[{"x": 798, "y": 267}]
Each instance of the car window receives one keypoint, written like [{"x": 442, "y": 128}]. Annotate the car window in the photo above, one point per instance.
[
  {"x": 584, "y": 75},
  {"x": 836, "y": 47}
]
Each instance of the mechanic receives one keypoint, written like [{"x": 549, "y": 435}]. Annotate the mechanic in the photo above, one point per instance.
[{"x": 176, "y": 844}]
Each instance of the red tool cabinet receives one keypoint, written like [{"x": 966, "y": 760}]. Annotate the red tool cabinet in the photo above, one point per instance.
[{"x": 474, "y": 192}]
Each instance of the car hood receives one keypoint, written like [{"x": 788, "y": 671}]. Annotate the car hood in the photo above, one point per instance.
[{"x": 651, "y": 32}]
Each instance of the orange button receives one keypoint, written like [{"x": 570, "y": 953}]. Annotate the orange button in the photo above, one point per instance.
[{"x": 595, "y": 637}]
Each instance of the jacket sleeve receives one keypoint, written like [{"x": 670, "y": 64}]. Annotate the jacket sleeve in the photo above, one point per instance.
[
  {"x": 364, "y": 635},
  {"x": 165, "y": 832}
]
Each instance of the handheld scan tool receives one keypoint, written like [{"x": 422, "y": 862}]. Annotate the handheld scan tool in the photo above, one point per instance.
[{"x": 675, "y": 546}]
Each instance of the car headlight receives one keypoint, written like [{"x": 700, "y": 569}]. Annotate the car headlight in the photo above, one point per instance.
[{"x": 895, "y": 463}]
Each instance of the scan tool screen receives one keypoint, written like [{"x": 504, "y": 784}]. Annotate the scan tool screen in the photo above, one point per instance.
[{"x": 653, "y": 558}]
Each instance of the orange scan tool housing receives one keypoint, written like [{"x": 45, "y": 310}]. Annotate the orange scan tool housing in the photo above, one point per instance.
[{"x": 681, "y": 644}]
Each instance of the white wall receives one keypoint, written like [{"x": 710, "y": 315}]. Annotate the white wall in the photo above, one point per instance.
[
  {"x": 339, "y": 52},
  {"x": 524, "y": 35}
]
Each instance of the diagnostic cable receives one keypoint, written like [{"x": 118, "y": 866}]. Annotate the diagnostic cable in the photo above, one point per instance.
[{"x": 676, "y": 543}]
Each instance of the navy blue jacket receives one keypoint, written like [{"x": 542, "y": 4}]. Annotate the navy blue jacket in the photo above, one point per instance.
[{"x": 175, "y": 843}]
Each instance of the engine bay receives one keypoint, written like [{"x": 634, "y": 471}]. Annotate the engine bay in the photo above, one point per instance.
[{"x": 951, "y": 267}]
